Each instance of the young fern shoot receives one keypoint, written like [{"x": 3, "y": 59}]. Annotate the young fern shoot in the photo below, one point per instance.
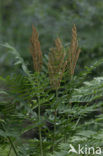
[
  {"x": 56, "y": 67},
  {"x": 37, "y": 61},
  {"x": 36, "y": 50},
  {"x": 56, "y": 64},
  {"x": 73, "y": 52}
]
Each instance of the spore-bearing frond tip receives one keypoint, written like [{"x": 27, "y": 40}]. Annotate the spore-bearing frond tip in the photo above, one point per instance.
[{"x": 36, "y": 50}]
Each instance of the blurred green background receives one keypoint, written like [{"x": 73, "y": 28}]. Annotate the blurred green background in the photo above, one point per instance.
[{"x": 52, "y": 18}]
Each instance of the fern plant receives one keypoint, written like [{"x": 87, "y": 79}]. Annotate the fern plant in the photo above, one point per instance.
[{"x": 44, "y": 111}]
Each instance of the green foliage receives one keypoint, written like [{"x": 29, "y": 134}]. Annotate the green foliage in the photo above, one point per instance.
[
  {"x": 90, "y": 91},
  {"x": 17, "y": 17},
  {"x": 78, "y": 106},
  {"x": 32, "y": 118}
]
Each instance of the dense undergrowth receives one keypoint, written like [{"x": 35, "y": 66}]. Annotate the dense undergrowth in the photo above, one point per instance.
[{"x": 44, "y": 112}]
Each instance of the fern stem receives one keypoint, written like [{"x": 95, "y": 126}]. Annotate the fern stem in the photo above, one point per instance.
[
  {"x": 40, "y": 134},
  {"x": 12, "y": 145},
  {"x": 9, "y": 151},
  {"x": 55, "y": 118},
  {"x": 39, "y": 117}
]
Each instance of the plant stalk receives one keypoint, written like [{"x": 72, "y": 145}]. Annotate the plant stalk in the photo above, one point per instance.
[
  {"x": 9, "y": 151},
  {"x": 12, "y": 145},
  {"x": 55, "y": 118},
  {"x": 39, "y": 117}
]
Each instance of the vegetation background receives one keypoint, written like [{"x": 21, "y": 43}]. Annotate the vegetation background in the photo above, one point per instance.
[{"x": 54, "y": 18}]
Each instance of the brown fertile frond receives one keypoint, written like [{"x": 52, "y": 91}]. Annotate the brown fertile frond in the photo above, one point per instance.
[
  {"x": 36, "y": 50},
  {"x": 74, "y": 51},
  {"x": 56, "y": 64}
]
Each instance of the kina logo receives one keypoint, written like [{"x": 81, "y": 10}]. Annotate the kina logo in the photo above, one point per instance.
[
  {"x": 85, "y": 150},
  {"x": 72, "y": 149}
]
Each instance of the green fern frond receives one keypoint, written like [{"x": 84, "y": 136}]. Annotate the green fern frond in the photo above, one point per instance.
[{"x": 90, "y": 91}]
